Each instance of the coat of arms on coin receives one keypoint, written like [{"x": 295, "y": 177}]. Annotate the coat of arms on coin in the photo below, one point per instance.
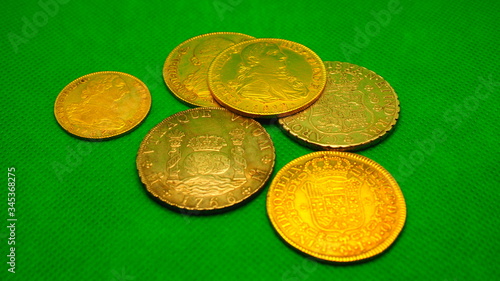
[
  {"x": 205, "y": 158},
  {"x": 358, "y": 108},
  {"x": 336, "y": 206}
]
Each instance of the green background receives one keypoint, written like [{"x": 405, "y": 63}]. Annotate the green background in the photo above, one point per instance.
[{"x": 84, "y": 215}]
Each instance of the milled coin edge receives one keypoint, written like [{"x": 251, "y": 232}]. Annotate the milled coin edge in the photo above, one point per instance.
[
  {"x": 139, "y": 160},
  {"x": 371, "y": 253},
  {"x": 120, "y": 132},
  {"x": 346, "y": 147},
  {"x": 171, "y": 54},
  {"x": 276, "y": 114}
]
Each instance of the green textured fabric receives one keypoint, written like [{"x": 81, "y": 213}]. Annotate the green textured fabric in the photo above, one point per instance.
[{"x": 82, "y": 213}]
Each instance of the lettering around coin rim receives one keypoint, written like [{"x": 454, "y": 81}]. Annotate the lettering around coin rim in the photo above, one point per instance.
[
  {"x": 357, "y": 109},
  {"x": 336, "y": 206},
  {"x": 205, "y": 159},
  {"x": 102, "y": 105},
  {"x": 193, "y": 87},
  {"x": 267, "y": 78}
]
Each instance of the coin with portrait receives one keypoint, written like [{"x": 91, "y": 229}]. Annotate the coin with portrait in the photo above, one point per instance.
[
  {"x": 186, "y": 67},
  {"x": 102, "y": 105},
  {"x": 266, "y": 77}
]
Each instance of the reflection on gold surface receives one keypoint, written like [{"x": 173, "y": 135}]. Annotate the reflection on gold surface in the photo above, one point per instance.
[
  {"x": 202, "y": 55},
  {"x": 205, "y": 159},
  {"x": 357, "y": 109},
  {"x": 263, "y": 75},
  {"x": 336, "y": 206},
  {"x": 186, "y": 68},
  {"x": 98, "y": 105}
]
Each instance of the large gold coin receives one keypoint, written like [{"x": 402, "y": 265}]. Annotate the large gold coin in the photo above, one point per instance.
[
  {"x": 186, "y": 67},
  {"x": 336, "y": 206},
  {"x": 205, "y": 158},
  {"x": 357, "y": 109},
  {"x": 102, "y": 105},
  {"x": 267, "y": 78}
]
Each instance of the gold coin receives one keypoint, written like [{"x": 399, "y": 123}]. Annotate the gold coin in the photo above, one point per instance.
[
  {"x": 102, "y": 105},
  {"x": 357, "y": 109},
  {"x": 267, "y": 78},
  {"x": 336, "y": 206},
  {"x": 205, "y": 159},
  {"x": 186, "y": 67}
]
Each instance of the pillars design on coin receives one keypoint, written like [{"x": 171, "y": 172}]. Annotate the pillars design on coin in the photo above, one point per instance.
[
  {"x": 205, "y": 159},
  {"x": 175, "y": 140},
  {"x": 240, "y": 164},
  {"x": 207, "y": 167}
]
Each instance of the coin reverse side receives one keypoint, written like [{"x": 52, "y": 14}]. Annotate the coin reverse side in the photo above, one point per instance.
[
  {"x": 267, "y": 78},
  {"x": 186, "y": 68},
  {"x": 205, "y": 159},
  {"x": 336, "y": 206},
  {"x": 102, "y": 105},
  {"x": 357, "y": 109}
]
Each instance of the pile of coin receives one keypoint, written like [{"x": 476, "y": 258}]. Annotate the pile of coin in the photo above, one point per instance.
[{"x": 333, "y": 205}]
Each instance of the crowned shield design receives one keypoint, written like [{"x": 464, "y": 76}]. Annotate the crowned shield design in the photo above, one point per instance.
[
  {"x": 342, "y": 108},
  {"x": 333, "y": 198},
  {"x": 210, "y": 166}
]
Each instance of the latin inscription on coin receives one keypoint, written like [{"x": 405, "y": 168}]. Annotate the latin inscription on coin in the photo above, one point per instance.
[
  {"x": 336, "y": 206},
  {"x": 267, "y": 77},
  {"x": 205, "y": 158},
  {"x": 356, "y": 109},
  {"x": 102, "y": 105}
]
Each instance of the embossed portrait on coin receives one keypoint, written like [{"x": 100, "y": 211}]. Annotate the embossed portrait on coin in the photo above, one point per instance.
[
  {"x": 263, "y": 75},
  {"x": 342, "y": 108},
  {"x": 202, "y": 56},
  {"x": 98, "y": 106}
]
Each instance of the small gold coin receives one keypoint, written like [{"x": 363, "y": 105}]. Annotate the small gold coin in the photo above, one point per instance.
[
  {"x": 267, "y": 78},
  {"x": 336, "y": 206},
  {"x": 186, "y": 67},
  {"x": 102, "y": 105},
  {"x": 357, "y": 109},
  {"x": 205, "y": 159}
]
